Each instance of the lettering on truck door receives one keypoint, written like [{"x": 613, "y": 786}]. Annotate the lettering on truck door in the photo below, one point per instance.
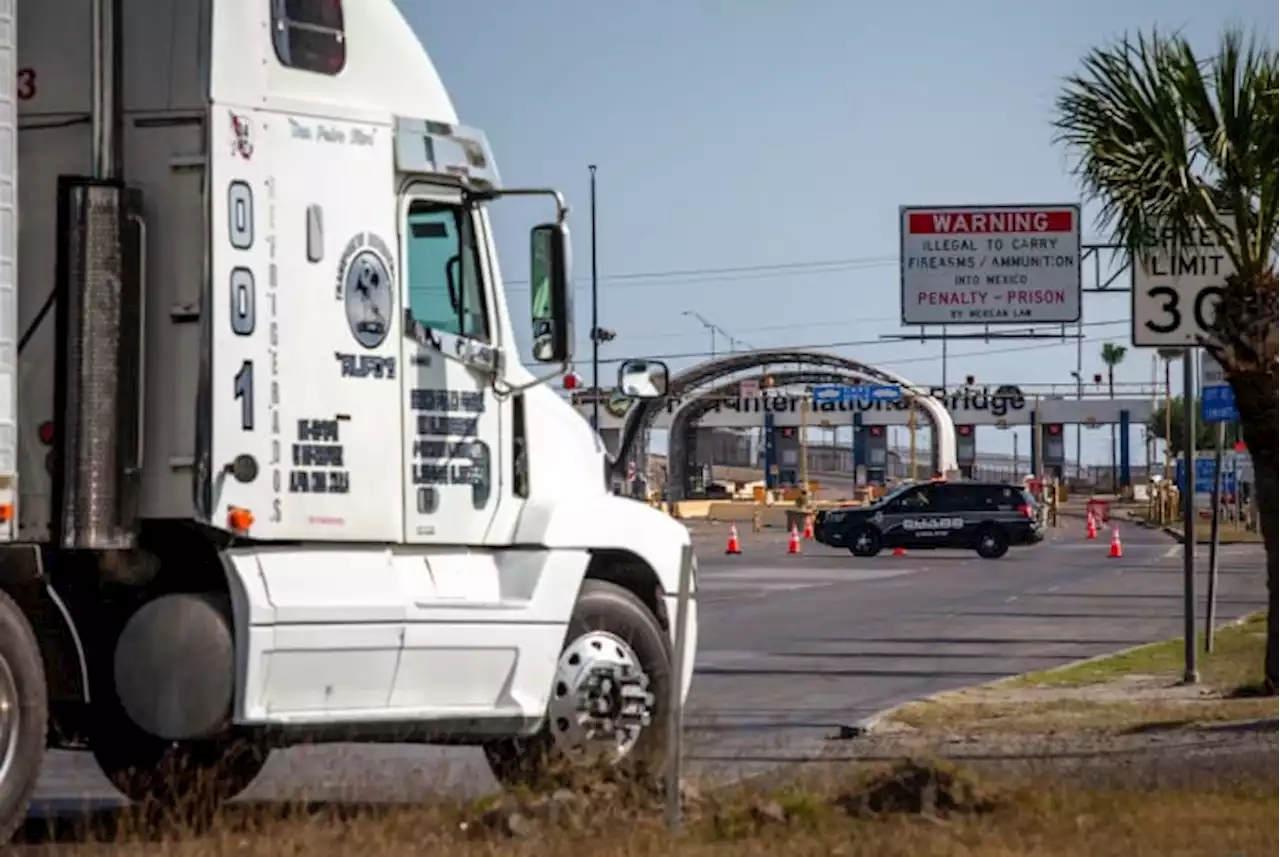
[{"x": 452, "y": 427}]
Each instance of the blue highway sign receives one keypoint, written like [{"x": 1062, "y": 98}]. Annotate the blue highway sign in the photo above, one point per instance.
[
  {"x": 1204, "y": 476},
  {"x": 845, "y": 393},
  {"x": 1218, "y": 404}
]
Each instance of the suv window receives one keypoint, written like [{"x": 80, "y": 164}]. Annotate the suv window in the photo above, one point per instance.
[
  {"x": 921, "y": 499},
  {"x": 960, "y": 498},
  {"x": 1005, "y": 498},
  {"x": 308, "y": 35}
]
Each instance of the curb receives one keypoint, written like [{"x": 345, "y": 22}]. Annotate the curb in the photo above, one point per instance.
[
  {"x": 873, "y": 723},
  {"x": 1178, "y": 537}
]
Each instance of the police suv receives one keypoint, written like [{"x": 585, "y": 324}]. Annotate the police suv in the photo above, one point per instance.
[{"x": 984, "y": 516}]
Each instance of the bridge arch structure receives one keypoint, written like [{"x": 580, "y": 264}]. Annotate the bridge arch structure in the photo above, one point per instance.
[{"x": 793, "y": 367}]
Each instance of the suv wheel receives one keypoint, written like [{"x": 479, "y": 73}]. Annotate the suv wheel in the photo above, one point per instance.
[
  {"x": 866, "y": 542},
  {"x": 992, "y": 543}
]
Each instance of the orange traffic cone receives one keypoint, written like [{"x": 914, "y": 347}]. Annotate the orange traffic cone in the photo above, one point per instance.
[
  {"x": 899, "y": 551},
  {"x": 793, "y": 544},
  {"x": 733, "y": 547},
  {"x": 1116, "y": 550},
  {"x": 1091, "y": 529},
  {"x": 808, "y": 526}
]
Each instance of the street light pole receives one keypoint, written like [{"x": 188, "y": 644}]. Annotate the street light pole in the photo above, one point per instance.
[
  {"x": 712, "y": 328},
  {"x": 595, "y": 312}
]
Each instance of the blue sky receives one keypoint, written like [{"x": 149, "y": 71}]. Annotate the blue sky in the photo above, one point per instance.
[{"x": 770, "y": 136}]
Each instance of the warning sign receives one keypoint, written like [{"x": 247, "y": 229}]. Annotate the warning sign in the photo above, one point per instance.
[{"x": 990, "y": 264}]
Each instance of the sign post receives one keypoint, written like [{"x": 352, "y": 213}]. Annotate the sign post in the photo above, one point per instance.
[
  {"x": 1177, "y": 283},
  {"x": 1189, "y": 674},
  {"x": 675, "y": 718},
  {"x": 1217, "y": 405},
  {"x": 991, "y": 264}
]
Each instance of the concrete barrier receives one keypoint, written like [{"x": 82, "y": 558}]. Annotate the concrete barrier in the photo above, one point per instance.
[
  {"x": 685, "y": 509},
  {"x": 741, "y": 512}
]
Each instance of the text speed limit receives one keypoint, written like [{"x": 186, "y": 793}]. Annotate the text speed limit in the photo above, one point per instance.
[{"x": 1175, "y": 296}]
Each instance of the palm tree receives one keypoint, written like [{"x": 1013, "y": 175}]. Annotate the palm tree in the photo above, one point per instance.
[
  {"x": 1162, "y": 137},
  {"x": 1112, "y": 354}
]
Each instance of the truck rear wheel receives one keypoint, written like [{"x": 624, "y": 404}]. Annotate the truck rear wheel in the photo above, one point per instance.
[
  {"x": 24, "y": 715},
  {"x": 609, "y": 700},
  {"x": 188, "y": 777}
]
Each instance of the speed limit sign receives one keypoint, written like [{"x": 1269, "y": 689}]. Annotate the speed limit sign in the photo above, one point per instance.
[{"x": 1175, "y": 296}]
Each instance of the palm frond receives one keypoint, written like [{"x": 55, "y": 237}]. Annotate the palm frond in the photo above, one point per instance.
[{"x": 1165, "y": 141}]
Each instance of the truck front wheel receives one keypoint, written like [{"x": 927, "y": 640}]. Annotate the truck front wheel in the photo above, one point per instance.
[
  {"x": 609, "y": 699},
  {"x": 24, "y": 715}
]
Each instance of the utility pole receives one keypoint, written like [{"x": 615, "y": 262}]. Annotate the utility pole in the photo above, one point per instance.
[
  {"x": 944, "y": 360},
  {"x": 911, "y": 440},
  {"x": 595, "y": 312},
  {"x": 1037, "y": 443},
  {"x": 1168, "y": 355},
  {"x": 1079, "y": 428},
  {"x": 804, "y": 445}
]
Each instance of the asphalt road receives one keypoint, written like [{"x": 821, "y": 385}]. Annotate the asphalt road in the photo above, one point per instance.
[{"x": 792, "y": 648}]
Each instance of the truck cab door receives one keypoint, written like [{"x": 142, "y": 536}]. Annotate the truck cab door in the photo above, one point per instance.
[{"x": 452, "y": 419}]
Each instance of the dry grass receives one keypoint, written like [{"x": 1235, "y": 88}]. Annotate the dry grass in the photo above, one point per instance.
[
  {"x": 1057, "y": 715},
  {"x": 1235, "y": 663},
  {"x": 845, "y": 807},
  {"x": 1229, "y": 532},
  {"x": 1129, "y": 691},
  {"x": 912, "y": 809}
]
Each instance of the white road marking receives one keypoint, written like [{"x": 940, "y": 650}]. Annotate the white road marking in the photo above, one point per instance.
[{"x": 758, "y": 581}]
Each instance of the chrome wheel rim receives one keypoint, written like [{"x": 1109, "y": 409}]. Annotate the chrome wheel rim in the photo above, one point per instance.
[{"x": 600, "y": 699}]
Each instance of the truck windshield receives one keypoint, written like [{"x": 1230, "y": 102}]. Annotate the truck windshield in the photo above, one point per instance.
[{"x": 443, "y": 271}]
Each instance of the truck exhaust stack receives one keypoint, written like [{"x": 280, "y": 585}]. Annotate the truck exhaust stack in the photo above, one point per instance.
[{"x": 98, "y": 389}]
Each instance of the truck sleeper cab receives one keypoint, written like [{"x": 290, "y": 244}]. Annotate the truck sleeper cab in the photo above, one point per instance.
[{"x": 271, "y": 470}]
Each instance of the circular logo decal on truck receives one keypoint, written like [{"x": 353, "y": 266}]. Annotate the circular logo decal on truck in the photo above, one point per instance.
[{"x": 368, "y": 289}]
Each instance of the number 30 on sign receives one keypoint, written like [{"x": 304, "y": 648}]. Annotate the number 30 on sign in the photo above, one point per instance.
[{"x": 1175, "y": 296}]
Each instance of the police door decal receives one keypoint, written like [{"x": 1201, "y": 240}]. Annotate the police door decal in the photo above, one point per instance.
[
  {"x": 930, "y": 526},
  {"x": 452, "y": 427}
]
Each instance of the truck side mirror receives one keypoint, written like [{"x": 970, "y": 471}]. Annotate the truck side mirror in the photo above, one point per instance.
[
  {"x": 551, "y": 297},
  {"x": 643, "y": 379}
]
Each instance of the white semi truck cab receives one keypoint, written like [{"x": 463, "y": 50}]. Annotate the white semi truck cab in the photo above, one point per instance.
[{"x": 271, "y": 468}]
